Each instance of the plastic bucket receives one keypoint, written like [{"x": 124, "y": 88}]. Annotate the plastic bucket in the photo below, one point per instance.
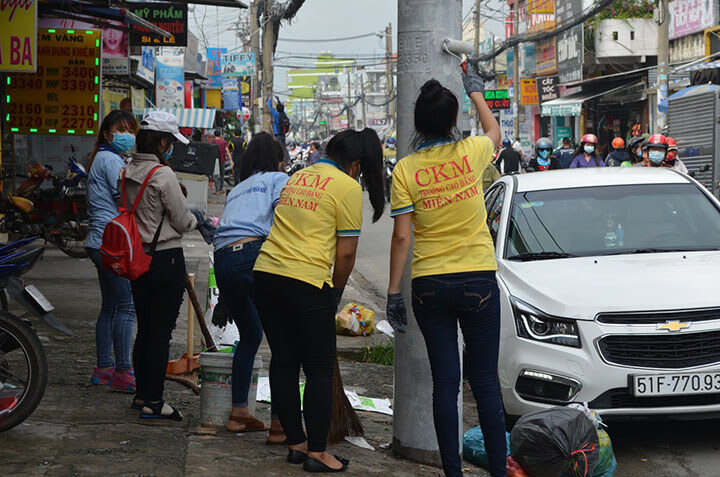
[{"x": 216, "y": 389}]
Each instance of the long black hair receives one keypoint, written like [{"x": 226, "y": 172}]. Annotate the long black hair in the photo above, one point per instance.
[
  {"x": 580, "y": 150},
  {"x": 364, "y": 146},
  {"x": 111, "y": 120},
  {"x": 263, "y": 154},
  {"x": 436, "y": 111}
]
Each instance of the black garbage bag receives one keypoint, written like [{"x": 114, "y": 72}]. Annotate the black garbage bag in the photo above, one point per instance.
[{"x": 557, "y": 442}]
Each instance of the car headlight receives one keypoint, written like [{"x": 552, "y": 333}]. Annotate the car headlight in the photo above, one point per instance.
[{"x": 533, "y": 324}]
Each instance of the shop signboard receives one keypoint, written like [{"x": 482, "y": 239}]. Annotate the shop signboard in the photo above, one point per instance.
[
  {"x": 484, "y": 47},
  {"x": 547, "y": 87},
  {"x": 563, "y": 109},
  {"x": 137, "y": 98},
  {"x": 213, "y": 70},
  {"x": 562, "y": 132},
  {"x": 246, "y": 90},
  {"x": 546, "y": 57},
  {"x": 170, "y": 81},
  {"x": 570, "y": 43},
  {"x": 541, "y": 6},
  {"x": 63, "y": 95},
  {"x": 507, "y": 128},
  {"x": 527, "y": 59},
  {"x": 528, "y": 92},
  {"x": 238, "y": 64},
  {"x": 509, "y": 57},
  {"x": 691, "y": 16},
  {"x": 171, "y": 17},
  {"x": 497, "y": 99},
  {"x": 502, "y": 82},
  {"x": 18, "y": 36},
  {"x": 146, "y": 64},
  {"x": 231, "y": 94}
]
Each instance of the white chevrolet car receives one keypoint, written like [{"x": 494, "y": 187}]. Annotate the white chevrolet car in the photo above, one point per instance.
[{"x": 609, "y": 291}]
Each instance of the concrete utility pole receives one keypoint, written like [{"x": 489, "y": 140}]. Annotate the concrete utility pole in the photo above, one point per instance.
[
  {"x": 476, "y": 49},
  {"x": 422, "y": 27},
  {"x": 516, "y": 74},
  {"x": 364, "y": 111},
  {"x": 267, "y": 54},
  {"x": 349, "y": 103},
  {"x": 663, "y": 61},
  {"x": 255, "y": 48},
  {"x": 389, "y": 87}
]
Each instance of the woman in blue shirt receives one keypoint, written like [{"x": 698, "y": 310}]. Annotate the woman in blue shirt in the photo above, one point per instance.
[
  {"x": 114, "y": 328},
  {"x": 245, "y": 224}
]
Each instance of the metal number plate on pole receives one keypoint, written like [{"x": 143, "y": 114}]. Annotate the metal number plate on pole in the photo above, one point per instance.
[{"x": 422, "y": 27}]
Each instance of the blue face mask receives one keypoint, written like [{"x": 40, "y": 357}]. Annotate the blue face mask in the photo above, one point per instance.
[
  {"x": 589, "y": 149},
  {"x": 167, "y": 155},
  {"x": 656, "y": 157},
  {"x": 122, "y": 142},
  {"x": 544, "y": 153}
]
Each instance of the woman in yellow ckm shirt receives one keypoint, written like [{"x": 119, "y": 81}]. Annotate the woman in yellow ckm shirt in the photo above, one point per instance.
[
  {"x": 438, "y": 189},
  {"x": 317, "y": 224}
]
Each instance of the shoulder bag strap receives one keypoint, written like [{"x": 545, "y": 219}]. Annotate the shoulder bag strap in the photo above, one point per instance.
[
  {"x": 142, "y": 189},
  {"x": 154, "y": 242},
  {"x": 122, "y": 187}
]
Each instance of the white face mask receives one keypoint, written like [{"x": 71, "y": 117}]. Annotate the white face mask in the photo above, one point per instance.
[{"x": 589, "y": 149}]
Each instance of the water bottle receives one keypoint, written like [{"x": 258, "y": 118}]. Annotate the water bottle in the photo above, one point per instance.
[
  {"x": 611, "y": 238},
  {"x": 620, "y": 235}
]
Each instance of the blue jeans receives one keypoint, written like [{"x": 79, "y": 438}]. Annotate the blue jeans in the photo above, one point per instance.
[
  {"x": 439, "y": 303},
  {"x": 234, "y": 274},
  {"x": 114, "y": 328}
]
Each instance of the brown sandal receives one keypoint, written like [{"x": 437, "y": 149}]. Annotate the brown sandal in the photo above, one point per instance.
[
  {"x": 276, "y": 437},
  {"x": 252, "y": 424}
]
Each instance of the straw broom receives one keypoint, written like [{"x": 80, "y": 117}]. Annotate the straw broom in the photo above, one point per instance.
[{"x": 344, "y": 422}]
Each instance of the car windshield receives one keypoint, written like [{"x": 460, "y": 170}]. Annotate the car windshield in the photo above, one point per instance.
[{"x": 611, "y": 220}]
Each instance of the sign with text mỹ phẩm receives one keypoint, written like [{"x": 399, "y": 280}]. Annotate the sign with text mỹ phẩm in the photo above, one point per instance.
[{"x": 63, "y": 96}]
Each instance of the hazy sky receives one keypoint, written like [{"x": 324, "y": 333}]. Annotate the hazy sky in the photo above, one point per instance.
[{"x": 325, "y": 19}]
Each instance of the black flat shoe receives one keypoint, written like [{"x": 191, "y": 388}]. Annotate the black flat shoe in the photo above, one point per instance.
[
  {"x": 296, "y": 456},
  {"x": 314, "y": 465}
]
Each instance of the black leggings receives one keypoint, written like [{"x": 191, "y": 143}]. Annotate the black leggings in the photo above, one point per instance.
[
  {"x": 299, "y": 322},
  {"x": 158, "y": 295}
]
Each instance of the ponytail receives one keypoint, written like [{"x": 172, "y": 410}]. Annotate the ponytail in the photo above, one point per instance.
[{"x": 350, "y": 146}]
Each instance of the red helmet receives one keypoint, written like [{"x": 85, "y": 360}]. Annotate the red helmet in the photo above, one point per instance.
[
  {"x": 672, "y": 145},
  {"x": 618, "y": 143},
  {"x": 589, "y": 138},
  {"x": 656, "y": 140}
]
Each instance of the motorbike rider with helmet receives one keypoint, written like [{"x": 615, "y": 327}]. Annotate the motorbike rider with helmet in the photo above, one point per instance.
[
  {"x": 671, "y": 159},
  {"x": 586, "y": 154},
  {"x": 618, "y": 155},
  {"x": 509, "y": 161},
  {"x": 543, "y": 160},
  {"x": 565, "y": 154},
  {"x": 634, "y": 150},
  {"x": 656, "y": 147}
]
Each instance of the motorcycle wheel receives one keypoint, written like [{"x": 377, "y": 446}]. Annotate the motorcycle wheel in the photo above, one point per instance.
[
  {"x": 73, "y": 229},
  {"x": 23, "y": 368}
]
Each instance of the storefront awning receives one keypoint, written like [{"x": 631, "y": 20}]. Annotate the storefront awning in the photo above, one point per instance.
[
  {"x": 190, "y": 118},
  {"x": 572, "y": 105},
  {"x": 701, "y": 66}
]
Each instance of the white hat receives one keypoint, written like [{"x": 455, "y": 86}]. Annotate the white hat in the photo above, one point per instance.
[{"x": 164, "y": 122}]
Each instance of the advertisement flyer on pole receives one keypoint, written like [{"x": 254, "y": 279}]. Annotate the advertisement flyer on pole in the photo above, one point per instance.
[
  {"x": 18, "y": 36},
  {"x": 214, "y": 67},
  {"x": 170, "y": 82},
  {"x": 63, "y": 96}
]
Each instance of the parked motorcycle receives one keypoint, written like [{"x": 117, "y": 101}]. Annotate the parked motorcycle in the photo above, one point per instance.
[
  {"x": 300, "y": 161},
  {"x": 23, "y": 364},
  {"x": 59, "y": 213}
]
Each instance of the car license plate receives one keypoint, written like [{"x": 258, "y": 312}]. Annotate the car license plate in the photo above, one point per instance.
[
  {"x": 675, "y": 384},
  {"x": 39, "y": 298}
]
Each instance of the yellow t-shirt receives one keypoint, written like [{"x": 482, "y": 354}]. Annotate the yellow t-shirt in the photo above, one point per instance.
[
  {"x": 441, "y": 185},
  {"x": 317, "y": 205}
]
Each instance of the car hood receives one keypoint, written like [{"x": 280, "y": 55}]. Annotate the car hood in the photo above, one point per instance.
[{"x": 582, "y": 287}]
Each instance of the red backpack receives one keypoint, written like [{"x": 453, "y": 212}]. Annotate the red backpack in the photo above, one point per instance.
[{"x": 121, "y": 249}]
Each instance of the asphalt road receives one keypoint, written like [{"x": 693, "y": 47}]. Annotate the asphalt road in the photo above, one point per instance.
[{"x": 648, "y": 447}]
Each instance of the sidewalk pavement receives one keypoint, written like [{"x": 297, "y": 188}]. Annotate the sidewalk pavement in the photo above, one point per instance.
[{"x": 81, "y": 429}]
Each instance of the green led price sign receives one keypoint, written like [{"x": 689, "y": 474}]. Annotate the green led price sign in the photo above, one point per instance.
[{"x": 62, "y": 97}]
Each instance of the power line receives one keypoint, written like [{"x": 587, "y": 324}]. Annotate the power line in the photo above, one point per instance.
[{"x": 323, "y": 40}]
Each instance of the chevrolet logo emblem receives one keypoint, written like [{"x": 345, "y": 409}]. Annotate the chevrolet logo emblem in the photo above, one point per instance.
[{"x": 674, "y": 325}]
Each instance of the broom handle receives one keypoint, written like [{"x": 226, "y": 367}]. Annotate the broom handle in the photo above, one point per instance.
[
  {"x": 191, "y": 329},
  {"x": 209, "y": 342}
]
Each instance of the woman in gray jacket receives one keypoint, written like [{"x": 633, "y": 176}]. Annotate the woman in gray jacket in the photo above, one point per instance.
[{"x": 162, "y": 218}]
